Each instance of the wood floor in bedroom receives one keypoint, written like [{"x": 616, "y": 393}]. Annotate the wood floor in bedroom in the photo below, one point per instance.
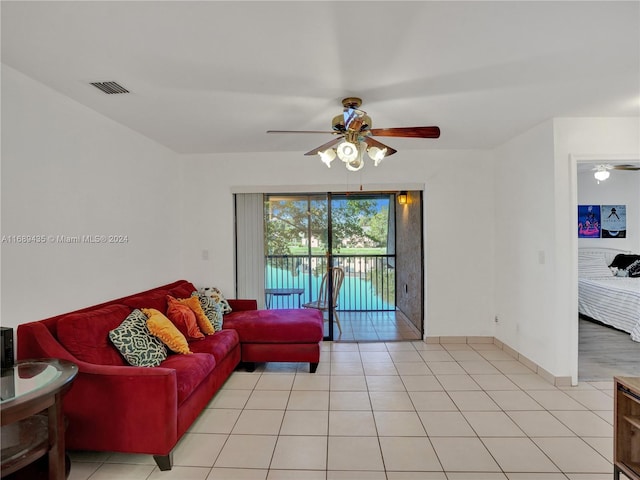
[{"x": 604, "y": 352}]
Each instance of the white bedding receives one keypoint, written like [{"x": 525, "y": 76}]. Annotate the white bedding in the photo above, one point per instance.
[{"x": 613, "y": 301}]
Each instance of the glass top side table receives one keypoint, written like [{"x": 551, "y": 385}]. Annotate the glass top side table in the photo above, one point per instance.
[{"x": 31, "y": 409}]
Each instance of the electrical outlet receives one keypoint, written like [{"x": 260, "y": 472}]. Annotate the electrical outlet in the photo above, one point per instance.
[
  {"x": 205, "y": 254},
  {"x": 496, "y": 319},
  {"x": 542, "y": 258}
]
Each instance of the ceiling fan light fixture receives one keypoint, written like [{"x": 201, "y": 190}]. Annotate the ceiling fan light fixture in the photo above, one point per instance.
[
  {"x": 327, "y": 156},
  {"x": 358, "y": 162},
  {"x": 355, "y": 165},
  {"x": 376, "y": 154},
  {"x": 347, "y": 151},
  {"x": 602, "y": 173}
]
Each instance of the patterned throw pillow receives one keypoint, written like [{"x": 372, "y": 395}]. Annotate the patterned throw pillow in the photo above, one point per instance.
[
  {"x": 634, "y": 269},
  {"x": 136, "y": 344},
  {"x": 212, "y": 309},
  {"x": 217, "y": 297}
]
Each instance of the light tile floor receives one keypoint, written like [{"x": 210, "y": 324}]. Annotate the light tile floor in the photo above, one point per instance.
[
  {"x": 374, "y": 326},
  {"x": 392, "y": 411}
]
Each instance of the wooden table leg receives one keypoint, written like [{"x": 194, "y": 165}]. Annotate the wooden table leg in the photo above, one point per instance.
[{"x": 56, "y": 441}]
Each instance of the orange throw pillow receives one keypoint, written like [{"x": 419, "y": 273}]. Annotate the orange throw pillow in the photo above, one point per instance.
[
  {"x": 184, "y": 318},
  {"x": 203, "y": 322},
  {"x": 161, "y": 327}
]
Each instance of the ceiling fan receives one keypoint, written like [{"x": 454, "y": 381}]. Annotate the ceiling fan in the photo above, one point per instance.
[
  {"x": 354, "y": 137},
  {"x": 601, "y": 172}
]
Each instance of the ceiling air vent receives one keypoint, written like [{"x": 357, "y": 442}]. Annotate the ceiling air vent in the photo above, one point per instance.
[{"x": 110, "y": 87}]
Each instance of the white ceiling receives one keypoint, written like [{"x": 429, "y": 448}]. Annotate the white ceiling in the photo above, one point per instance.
[{"x": 213, "y": 76}]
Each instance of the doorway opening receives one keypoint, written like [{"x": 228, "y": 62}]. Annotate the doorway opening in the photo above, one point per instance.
[{"x": 604, "y": 344}]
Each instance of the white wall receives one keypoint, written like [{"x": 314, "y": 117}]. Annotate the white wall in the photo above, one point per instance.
[
  {"x": 68, "y": 171},
  {"x": 525, "y": 251},
  {"x": 458, "y": 221}
]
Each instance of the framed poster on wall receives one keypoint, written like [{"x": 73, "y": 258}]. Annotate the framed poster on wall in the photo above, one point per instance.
[
  {"x": 588, "y": 221},
  {"x": 613, "y": 221}
]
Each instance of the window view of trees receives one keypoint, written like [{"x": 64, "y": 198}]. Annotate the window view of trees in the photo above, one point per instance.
[{"x": 293, "y": 224}]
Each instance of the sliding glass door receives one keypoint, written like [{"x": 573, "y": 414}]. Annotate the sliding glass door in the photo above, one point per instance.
[
  {"x": 295, "y": 245},
  {"x": 304, "y": 234},
  {"x": 363, "y": 244}
]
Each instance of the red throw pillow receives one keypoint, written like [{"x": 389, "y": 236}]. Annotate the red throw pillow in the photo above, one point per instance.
[{"x": 183, "y": 318}]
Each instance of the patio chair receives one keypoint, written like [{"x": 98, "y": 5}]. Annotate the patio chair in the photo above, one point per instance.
[{"x": 322, "y": 303}]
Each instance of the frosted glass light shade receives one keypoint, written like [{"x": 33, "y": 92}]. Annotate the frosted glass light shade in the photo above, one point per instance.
[
  {"x": 347, "y": 151},
  {"x": 355, "y": 165},
  {"x": 377, "y": 155},
  {"x": 327, "y": 156}
]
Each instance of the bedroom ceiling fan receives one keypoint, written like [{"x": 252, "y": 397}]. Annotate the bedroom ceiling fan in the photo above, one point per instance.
[
  {"x": 354, "y": 137},
  {"x": 601, "y": 172}
]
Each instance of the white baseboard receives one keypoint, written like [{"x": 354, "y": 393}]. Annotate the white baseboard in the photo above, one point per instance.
[{"x": 531, "y": 365}]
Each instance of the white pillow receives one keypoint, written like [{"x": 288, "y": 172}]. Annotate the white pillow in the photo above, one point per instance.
[{"x": 593, "y": 268}]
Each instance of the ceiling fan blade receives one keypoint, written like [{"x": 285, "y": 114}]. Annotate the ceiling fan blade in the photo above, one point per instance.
[
  {"x": 374, "y": 143},
  {"x": 625, "y": 167},
  {"x": 304, "y": 131},
  {"x": 413, "y": 132},
  {"x": 324, "y": 147}
]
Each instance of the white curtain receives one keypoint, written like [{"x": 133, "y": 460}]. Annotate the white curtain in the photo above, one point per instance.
[{"x": 250, "y": 246}]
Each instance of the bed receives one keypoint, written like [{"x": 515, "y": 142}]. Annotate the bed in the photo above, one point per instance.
[{"x": 604, "y": 297}]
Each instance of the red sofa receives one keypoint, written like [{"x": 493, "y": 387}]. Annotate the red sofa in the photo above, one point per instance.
[{"x": 113, "y": 406}]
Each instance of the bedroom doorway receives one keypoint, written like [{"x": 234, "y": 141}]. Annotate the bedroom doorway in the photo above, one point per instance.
[{"x": 602, "y": 350}]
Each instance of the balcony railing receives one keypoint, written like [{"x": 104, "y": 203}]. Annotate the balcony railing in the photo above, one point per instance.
[{"x": 369, "y": 282}]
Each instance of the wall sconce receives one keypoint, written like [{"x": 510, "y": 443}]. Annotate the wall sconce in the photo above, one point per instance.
[{"x": 402, "y": 198}]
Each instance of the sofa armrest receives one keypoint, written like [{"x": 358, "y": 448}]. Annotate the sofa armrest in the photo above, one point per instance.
[
  {"x": 133, "y": 408},
  {"x": 35, "y": 340},
  {"x": 240, "y": 305}
]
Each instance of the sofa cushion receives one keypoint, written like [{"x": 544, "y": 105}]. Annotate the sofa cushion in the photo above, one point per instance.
[
  {"x": 156, "y": 300},
  {"x": 183, "y": 318},
  {"x": 277, "y": 326},
  {"x": 190, "y": 372},
  {"x": 161, "y": 327},
  {"x": 136, "y": 344},
  {"x": 86, "y": 335},
  {"x": 219, "y": 344}
]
